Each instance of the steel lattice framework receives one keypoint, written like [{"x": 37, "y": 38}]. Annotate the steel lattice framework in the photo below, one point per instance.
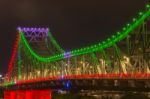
[{"x": 126, "y": 54}]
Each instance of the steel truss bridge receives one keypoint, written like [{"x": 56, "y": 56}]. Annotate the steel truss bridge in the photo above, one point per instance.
[{"x": 121, "y": 62}]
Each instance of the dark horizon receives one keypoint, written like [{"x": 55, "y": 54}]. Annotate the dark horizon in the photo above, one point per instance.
[{"x": 74, "y": 24}]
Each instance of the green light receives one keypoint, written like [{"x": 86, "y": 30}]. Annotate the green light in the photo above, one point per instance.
[
  {"x": 140, "y": 13},
  {"x": 8, "y": 83},
  {"x": 124, "y": 28},
  {"x": 118, "y": 33},
  {"x": 134, "y": 19},
  {"x": 119, "y": 36},
  {"x": 103, "y": 42},
  {"x": 40, "y": 58},
  {"x": 113, "y": 36},
  {"x": 147, "y": 6},
  {"x": 128, "y": 24},
  {"x": 55, "y": 43},
  {"x": 108, "y": 39}
]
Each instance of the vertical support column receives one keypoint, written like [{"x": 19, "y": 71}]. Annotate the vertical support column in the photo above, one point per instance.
[
  {"x": 19, "y": 60},
  {"x": 96, "y": 63},
  {"x": 42, "y": 69},
  {"x": 83, "y": 70},
  {"x": 75, "y": 66},
  {"x": 145, "y": 46},
  {"x": 107, "y": 60},
  {"x": 62, "y": 68},
  {"x": 128, "y": 45},
  {"x": 68, "y": 66},
  {"x": 118, "y": 57},
  {"x": 143, "y": 37},
  {"x": 57, "y": 69}
]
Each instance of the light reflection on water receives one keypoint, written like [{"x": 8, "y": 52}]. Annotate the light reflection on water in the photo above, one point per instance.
[
  {"x": 103, "y": 95},
  {"x": 59, "y": 94}
]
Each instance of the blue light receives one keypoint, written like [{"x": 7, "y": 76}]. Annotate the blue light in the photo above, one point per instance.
[
  {"x": 67, "y": 85},
  {"x": 67, "y": 54}
]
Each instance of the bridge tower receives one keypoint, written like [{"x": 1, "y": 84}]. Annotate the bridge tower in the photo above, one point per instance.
[{"x": 42, "y": 42}]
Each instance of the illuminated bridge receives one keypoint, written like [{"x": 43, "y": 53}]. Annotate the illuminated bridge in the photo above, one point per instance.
[{"x": 121, "y": 62}]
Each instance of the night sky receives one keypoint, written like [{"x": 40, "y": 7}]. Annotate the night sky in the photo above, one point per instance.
[{"x": 74, "y": 23}]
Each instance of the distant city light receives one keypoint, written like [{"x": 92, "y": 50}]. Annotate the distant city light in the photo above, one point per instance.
[{"x": 0, "y": 75}]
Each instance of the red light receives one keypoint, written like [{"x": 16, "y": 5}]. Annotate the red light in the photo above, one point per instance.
[
  {"x": 85, "y": 76},
  {"x": 10, "y": 66},
  {"x": 28, "y": 94}
]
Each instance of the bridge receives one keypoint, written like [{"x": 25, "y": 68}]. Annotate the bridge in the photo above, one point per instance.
[{"x": 120, "y": 63}]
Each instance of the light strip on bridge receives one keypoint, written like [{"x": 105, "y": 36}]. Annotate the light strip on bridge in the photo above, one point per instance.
[
  {"x": 100, "y": 46},
  {"x": 83, "y": 76},
  {"x": 105, "y": 44}
]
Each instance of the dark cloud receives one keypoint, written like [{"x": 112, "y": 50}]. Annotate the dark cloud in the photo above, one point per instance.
[{"x": 74, "y": 23}]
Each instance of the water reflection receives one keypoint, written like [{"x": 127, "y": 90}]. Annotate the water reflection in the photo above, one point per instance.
[{"x": 102, "y": 95}]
